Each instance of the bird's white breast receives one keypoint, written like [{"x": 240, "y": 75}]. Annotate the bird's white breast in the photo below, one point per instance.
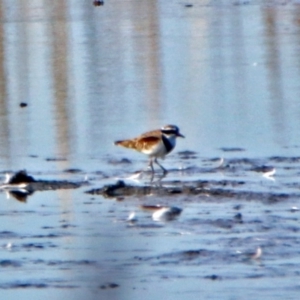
[{"x": 160, "y": 150}]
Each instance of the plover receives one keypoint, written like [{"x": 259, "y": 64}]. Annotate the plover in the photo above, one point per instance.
[{"x": 156, "y": 144}]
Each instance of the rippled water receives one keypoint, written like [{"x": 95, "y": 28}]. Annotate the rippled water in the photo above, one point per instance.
[{"x": 226, "y": 72}]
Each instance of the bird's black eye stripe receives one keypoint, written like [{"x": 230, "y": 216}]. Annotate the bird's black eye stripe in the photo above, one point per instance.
[{"x": 169, "y": 131}]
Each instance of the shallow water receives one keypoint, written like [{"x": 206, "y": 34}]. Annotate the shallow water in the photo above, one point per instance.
[{"x": 226, "y": 72}]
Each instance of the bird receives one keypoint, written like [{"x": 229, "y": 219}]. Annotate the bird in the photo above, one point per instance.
[{"x": 156, "y": 143}]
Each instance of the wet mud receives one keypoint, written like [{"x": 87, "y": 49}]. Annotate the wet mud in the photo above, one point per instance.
[
  {"x": 240, "y": 187},
  {"x": 219, "y": 189},
  {"x": 225, "y": 221},
  {"x": 251, "y": 211}
]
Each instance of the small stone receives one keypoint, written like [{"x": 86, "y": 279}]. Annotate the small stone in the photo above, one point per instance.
[
  {"x": 98, "y": 3},
  {"x": 239, "y": 217},
  {"x": 212, "y": 277},
  {"x": 237, "y": 207}
]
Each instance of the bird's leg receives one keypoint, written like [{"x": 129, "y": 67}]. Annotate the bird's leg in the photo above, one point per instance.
[
  {"x": 152, "y": 169},
  {"x": 164, "y": 170},
  {"x": 151, "y": 165}
]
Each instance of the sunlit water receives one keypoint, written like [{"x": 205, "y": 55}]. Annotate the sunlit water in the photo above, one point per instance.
[{"x": 226, "y": 72}]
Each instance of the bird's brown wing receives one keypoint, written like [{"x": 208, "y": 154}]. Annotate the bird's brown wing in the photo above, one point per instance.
[
  {"x": 153, "y": 133},
  {"x": 144, "y": 142}
]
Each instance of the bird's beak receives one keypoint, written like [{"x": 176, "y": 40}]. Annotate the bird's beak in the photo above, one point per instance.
[{"x": 180, "y": 135}]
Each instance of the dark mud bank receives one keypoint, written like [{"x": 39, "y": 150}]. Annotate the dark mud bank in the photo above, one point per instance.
[
  {"x": 21, "y": 178},
  {"x": 220, "y": 189},
  {"x": 268, "y": 180}
]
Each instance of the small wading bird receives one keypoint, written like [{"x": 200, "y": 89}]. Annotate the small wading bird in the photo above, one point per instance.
[{"x": 156, "y": 143}]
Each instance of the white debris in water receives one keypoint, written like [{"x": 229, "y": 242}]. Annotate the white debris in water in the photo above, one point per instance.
[
  {"x": 257, "y": 254},
  {"x": 269, "y": 174},
  {"x": 132, "y": 217},
  {"x": 294, "y": 208},
  {"x": 250, "y": 254},
  {"x": 8, "y": 246},
  {"x": 166, "y": 213},
  {"x": 220, "y": 162}
]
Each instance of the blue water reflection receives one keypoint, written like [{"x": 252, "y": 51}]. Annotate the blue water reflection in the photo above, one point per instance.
[{"x": 228, "y": 75}]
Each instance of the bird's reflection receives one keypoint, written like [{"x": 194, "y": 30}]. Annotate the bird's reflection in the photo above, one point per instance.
[{"x": 154, "y": 178}]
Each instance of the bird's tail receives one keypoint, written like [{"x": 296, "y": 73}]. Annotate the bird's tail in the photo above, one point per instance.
[{"x": 125, "y": 143}]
